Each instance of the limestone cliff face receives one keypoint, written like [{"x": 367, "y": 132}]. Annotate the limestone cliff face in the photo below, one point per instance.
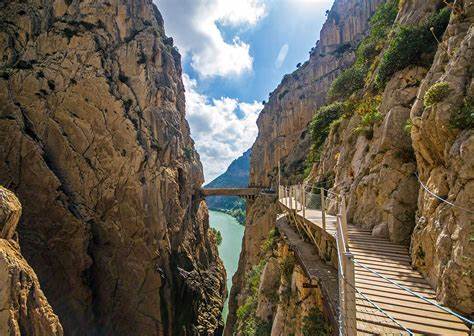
[
  {"x": 442, "y": 245},
  {"x": 24, "y": 310},
  {"x": 283, "y": 121},
  {"x": 97, "y": 148}
]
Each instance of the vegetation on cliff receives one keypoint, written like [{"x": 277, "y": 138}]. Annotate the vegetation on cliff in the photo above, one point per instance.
[{"x": 358, "y": 88}]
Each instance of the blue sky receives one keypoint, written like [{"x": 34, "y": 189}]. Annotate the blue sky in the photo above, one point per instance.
[{"x": 235, "y": 52}]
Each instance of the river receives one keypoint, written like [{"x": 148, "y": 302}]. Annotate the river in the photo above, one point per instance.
[{"x": 229, "y": 250}]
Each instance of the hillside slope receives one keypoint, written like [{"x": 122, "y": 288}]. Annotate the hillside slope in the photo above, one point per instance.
[{"x": 236, "y": 175}]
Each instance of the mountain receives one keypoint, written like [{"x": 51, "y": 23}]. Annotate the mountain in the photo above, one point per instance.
[
  {"x": 236, "y": 175},
  {"x": 95, "y": 144}
]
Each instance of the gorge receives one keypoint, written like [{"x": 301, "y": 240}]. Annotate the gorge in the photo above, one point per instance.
[{"x": 104, "y": 224}]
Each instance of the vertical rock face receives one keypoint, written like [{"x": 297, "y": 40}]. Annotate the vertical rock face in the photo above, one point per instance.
[
  {"x": 377, "y": 173},
  {"x": 442, "y": 246},
  {"x": 283, "y": 121},
  {"x": 24, "y": 310},
  {"x": 96, "y": 145}
]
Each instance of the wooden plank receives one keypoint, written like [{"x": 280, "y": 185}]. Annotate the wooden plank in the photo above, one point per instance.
[
  {"x": 392, "y": 310},
  {"x": 361, "y": 285},
  {"x": 377, "y": 318}
]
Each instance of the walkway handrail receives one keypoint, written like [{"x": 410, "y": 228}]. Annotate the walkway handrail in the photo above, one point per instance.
[{"x": 447, "y": 310}]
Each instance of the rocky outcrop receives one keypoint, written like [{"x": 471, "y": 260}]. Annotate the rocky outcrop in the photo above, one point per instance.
[
  {"x": 376, "y": 173},
  {"x": 260, "y": 220},
  {"x": 442, "y": 245},
  {"x": 24, "y": 310},
  {"x": 97, "y": 148}
]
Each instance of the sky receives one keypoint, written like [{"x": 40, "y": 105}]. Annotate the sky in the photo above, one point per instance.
[{"x": 234, "y": 53}]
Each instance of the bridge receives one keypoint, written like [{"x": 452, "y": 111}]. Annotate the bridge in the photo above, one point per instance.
[
  {"x": 250, "y": 192},
  {"x": 376, "y": 290},
  {"x": 242, "y": 192}
]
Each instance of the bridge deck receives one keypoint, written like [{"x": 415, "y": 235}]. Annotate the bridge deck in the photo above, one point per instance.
[
  {"x": 392, "y": 261},
  {"x": 231, "y": 191}
]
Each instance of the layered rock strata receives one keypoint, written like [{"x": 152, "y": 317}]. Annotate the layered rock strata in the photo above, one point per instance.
[{"x": 97, "y": 148}]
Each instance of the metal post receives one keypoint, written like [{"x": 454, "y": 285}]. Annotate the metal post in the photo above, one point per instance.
[
  {"x": 279, "y": 173},
  {"x": 344, "y": 221},
  {"x": 291, "y": 197},
  {"x": 304, "y": 202},
  {"x": 323, "y": 210},
  {"x": 349, "y": 295}
]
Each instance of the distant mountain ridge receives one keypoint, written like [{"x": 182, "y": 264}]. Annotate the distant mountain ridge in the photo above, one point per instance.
[{"x": 236, "y": 175}]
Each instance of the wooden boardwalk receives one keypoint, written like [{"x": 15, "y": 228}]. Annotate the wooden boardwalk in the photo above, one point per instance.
[{"x": 393, "y": 262}]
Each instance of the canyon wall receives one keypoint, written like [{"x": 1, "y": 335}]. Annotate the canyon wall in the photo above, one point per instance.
[
  {"x": 407, "y": 126},
  {"x": 24, "y": 310},
  {"x": 96, "y": 146},
  {"x": 443, "y": 140}
]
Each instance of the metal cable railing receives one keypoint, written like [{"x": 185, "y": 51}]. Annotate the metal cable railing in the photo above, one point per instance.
[
  {"x": 408, "y": 290},
  {"x": 441, "y": 198}
]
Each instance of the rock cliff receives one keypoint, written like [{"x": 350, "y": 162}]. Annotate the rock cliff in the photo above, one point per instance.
[
  {"x": 24, "y": 310},
  {"x": 96, "y": 146},
  {"x": 443, "y": 140},
  {"x": 381, "y": 112}
]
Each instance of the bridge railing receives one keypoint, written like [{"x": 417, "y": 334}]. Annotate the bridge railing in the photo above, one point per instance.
[{"x": 301, "y": 199}]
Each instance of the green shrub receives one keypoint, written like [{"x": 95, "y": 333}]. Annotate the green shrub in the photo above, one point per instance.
[
  {"x": 269, "y": 243},
  {"x": 217, "y": 235},
  {"x": 314, "y": 324},
  {"x": 408, "y": 126},
  {"x": 368, "y": 109},
  {"x": 380, "y": 25},
  {"x": 436, "y": 93},
  {"x": 409, "y": 45},
  {"x": 383, "y": 19},
  {"x": 348, "y": 82},
  {"x": 247, "y": 323},
  {"x": 287, "y": 266},
  {"x": 320, "y": 126},
  {"x": 353, "y": 79},
  {"x": 464, "y": 117},
  {"x": 188, "y": 153}
]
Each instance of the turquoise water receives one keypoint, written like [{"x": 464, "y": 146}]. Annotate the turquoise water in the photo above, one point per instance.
[{"x": 229, "y": 250}]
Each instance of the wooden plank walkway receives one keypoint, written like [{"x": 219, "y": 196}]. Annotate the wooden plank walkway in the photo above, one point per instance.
[{"x": 392, "y": 261}]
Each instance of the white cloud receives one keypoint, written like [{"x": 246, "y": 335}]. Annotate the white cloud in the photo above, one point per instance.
[
  {"x": 222, "y": 128},
  {"x": 194, "y": 26},
  {"x": 281, "y": 56}
]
